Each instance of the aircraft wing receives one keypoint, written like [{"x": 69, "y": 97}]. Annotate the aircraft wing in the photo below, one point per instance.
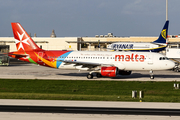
[{"x": 84, "y": 64}]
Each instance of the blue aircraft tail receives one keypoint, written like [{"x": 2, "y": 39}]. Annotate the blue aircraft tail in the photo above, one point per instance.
[{"x": 163, "y": 34}]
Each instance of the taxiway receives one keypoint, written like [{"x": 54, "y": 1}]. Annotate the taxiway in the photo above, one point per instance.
[{"x": 32, "y": 71}]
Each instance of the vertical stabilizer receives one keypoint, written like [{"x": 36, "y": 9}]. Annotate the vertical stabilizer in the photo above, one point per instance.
[
  {"x": 23, "y": 41},
  {"x": 163, "y": 35}
]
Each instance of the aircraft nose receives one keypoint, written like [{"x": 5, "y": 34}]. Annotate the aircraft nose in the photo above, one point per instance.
[{"x": 171, "y": 64}]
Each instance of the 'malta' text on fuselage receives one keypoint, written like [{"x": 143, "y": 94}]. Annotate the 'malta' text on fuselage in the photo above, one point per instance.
[{"x": 132, "y": 57}]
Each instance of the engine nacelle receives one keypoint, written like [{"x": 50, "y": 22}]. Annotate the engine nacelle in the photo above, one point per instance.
[
  {"x": 122, "y": 72},
  {"x": 109, "y": 71}
]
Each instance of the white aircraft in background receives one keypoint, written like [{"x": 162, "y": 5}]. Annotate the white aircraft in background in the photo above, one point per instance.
[
  {"x": 109, "y": 64},
  {"x": 156, "y": 46}
]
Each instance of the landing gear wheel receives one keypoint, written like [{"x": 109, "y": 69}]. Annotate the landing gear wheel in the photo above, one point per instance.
[
  {"x": 151, "y": 74},
  {"x": 98, "y": 75},
  {"x": 90, "y": 76}
]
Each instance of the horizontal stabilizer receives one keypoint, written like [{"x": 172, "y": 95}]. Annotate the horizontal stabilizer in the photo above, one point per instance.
[{"x": 18, "y": 55}]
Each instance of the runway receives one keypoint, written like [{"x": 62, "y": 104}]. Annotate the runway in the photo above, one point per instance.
[
  {"x": 86, "y": 110},
  {"x": 90, "y": 110},
  {"x": 32, "y": 71}
]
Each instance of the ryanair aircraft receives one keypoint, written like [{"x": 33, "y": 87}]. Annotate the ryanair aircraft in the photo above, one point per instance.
[{"x": 156, "y": 46}]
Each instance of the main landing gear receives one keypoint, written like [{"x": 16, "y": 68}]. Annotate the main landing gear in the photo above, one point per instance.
[
  {"x": 98, "y": 75},
  {"x": 151, "y": 74},
  {"x": 90, "y": 75}
]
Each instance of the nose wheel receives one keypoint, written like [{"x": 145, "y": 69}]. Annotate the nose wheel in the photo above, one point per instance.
[
  {"x": 151, "y": 77},
  {"x": 151, "y": 74}
]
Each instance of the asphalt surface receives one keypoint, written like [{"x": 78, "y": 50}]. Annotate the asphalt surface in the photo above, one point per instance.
[
  {"x": 90, "y": 110},
  {"x": 32, "y": 71},
  {"x": 86, "y": 110},
  {"x": 159, "y": 111}
]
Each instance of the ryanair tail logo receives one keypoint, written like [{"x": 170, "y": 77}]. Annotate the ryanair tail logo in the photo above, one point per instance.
[{"x": 163, "y": 33}]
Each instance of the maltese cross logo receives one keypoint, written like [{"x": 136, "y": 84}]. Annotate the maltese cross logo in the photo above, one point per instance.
[{"x": 21, "y": 41}]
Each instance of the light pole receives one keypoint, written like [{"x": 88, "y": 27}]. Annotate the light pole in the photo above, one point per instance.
[
  {"x": 166, "y": 10},
  {"x": 166, "y": 17}
]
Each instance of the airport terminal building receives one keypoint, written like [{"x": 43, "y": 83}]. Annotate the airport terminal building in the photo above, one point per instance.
[{"x": 7, "y": 44}]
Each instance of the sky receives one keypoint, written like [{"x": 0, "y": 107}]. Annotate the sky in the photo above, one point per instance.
[{"x": 80, "y": 18}]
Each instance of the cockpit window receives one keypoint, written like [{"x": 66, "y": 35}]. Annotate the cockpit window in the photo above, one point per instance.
[{"x": 163, "y": 58}]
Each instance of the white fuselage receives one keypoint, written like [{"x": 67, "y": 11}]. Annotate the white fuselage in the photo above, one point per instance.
[
  {"x": 122, "y": 60},
  {"x": 133, "y": 46}
]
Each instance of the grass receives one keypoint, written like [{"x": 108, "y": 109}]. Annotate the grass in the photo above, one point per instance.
[{"x": 87, "y": 90}]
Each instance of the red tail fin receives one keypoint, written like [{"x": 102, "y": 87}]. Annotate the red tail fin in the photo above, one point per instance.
[{"x": 23, "y": 41}]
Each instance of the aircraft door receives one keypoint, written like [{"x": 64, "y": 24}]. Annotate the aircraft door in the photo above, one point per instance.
[
  {"x": 150, "y": 59},
  {"x": 40, "y": 54}
]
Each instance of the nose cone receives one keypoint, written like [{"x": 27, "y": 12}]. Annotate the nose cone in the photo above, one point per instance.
[{"x": 170, "y": 65}]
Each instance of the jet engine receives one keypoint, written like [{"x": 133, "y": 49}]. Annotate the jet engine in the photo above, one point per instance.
[{"x": 109, "y": 71}]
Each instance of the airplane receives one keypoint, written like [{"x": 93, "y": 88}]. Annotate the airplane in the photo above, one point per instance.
[
  {"x": 155, "y": 46},
  {"x": 101, "y": 63}
]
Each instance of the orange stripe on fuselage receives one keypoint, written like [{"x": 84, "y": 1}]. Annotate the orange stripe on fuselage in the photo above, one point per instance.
[{"x": 49, "y": 63}]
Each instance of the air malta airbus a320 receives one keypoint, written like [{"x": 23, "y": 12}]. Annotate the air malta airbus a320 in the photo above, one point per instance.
[
  {"x": 156, "y": 46},
  {"x": 109, "y": 64}
]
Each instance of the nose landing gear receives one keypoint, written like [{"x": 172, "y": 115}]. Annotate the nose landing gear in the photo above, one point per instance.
[{"x": 151, "y": 74}]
